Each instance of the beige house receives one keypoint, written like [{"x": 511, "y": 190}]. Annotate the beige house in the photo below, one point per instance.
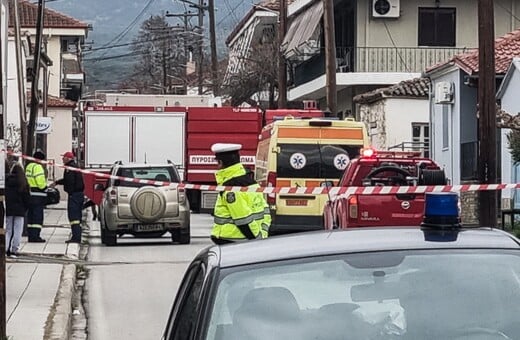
[
  {"x": 61, "y": 76},
  {"x": 378, "y": 42}
]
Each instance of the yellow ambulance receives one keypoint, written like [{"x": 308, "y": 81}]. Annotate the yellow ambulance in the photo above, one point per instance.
[{"x": 304, "y": 153}]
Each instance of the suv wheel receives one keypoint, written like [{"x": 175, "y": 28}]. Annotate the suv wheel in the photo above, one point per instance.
[
  {"x": 108, "y": 237},
  {"x": 181, "y": 236}
]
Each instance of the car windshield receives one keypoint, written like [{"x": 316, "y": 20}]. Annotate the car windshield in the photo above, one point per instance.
[
  {"x": 447, "y": 294},
  {"x": 157, "y": 173}
]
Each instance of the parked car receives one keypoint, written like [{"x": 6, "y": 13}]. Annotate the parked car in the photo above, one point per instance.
[
  {"x": 437, "y": 281},
  {"x": 382, "y": 168},
  {"x": 144, "y": 210}
]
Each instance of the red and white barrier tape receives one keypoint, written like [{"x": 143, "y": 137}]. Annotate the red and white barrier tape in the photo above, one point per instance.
[{"x": 376, "y": 190}]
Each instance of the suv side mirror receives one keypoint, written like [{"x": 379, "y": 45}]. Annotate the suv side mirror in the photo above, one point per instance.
[{"x": 99, "y": 187}]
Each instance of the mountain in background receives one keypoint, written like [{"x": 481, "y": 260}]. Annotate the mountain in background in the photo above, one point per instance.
[{"x": 116, "y": 22}]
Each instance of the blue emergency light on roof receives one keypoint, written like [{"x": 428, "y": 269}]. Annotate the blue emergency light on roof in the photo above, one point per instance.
[{"x": 441, "y": 210}]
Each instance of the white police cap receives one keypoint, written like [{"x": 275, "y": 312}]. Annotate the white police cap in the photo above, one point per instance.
[{"x": 225, "y": 147}]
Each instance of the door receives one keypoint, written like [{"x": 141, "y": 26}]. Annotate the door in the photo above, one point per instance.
[
  {"x": 107, "y": 139},
  {"x": 159, "y": 138}
]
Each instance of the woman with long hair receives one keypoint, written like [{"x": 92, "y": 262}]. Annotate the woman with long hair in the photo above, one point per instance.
[{"x": 17, "y": 202}]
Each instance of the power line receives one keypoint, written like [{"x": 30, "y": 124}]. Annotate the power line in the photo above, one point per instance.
[
  {"x": 403, "y": 62},
  {"x": 232, "y": 11},
  {"x": 508, "y": 11},
  {"x": 123, "y": 33},
  {"x": 125, "y": 45}
]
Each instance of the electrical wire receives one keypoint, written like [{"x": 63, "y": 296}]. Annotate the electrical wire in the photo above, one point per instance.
[
  {"x": 403, "y": 62},
  {"x": 508, "y": 11},
  {"x": 123, "y": 33}
]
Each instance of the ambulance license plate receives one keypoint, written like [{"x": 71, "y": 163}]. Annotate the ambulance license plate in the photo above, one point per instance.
[{"x": 148, "y": 227}]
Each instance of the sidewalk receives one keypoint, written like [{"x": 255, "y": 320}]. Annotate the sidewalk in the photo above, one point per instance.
[{"x": 39, "y": 288}]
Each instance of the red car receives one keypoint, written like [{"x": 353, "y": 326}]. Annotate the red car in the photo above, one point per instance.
[{"x": 382, "y": 169}]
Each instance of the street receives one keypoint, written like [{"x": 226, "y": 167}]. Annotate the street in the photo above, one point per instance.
[{"x": 129, "y": 295}]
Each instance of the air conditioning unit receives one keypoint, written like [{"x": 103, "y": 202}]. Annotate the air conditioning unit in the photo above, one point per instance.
[
  {"x": 444, "y": 92},
  {"x": 385, "y": 8}
]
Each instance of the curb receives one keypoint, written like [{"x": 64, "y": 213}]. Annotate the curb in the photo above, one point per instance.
[
  {"x": 59, "y": 321},
  {"x": 58, "y": 324}
]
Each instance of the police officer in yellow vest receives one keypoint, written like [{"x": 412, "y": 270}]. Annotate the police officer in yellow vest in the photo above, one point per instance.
[
  {"x": 238, "y": 216},
  {"x": 37, "y": 180}
]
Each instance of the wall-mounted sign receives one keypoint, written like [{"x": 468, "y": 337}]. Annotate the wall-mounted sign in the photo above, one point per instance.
[{"x": 44, "y": 125}]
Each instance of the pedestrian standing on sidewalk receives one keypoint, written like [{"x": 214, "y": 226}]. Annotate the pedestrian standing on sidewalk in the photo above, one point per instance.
[
  {"x": 37, "y": 180},
  {"x": 17, "y": 198},
  {"x": 73, "y": 185}
]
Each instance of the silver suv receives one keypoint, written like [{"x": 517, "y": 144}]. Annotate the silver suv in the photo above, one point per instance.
[{"x": 144, "y": 210}]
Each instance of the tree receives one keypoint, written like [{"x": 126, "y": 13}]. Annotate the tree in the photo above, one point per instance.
[
  {"x": 258, "y": 74},
  {"x": 506, "y": 120},
  {"x": 161, "y": 52}
]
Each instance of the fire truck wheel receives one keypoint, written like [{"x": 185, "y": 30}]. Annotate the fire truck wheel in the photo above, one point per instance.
[
  {"x": 148, "y": 204},
  {"x": 432, "y": 177}
]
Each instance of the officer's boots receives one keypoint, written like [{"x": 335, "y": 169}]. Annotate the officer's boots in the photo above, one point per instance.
[
  {"x": 33, "y": 235},
  {"x": 76, "y": 233}
]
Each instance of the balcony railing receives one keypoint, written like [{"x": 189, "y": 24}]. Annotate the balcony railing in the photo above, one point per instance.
[
  {"x": 375, "y": 59},
  {"x": 422, "y": 147}
]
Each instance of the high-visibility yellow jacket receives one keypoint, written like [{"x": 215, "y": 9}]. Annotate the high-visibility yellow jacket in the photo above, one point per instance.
[
  {"x": 244, "y": 209},
  {"x": 35, "y": 174}
]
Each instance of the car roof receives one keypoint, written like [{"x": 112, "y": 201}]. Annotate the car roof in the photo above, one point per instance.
[
  {"x": 144, "y": 165},
  {"x": 310, "y": 244}
]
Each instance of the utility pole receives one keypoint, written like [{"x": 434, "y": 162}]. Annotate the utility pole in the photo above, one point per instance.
[
  {"x": 201, "y": 54},
  {"x": 330, "y": 56},
  {"x": 487, "y": 160},
  {"x": 3, "y": 82},
  {"x": 20, "y": 76},
  {"x": 282, "y": 66},
  {"x": 36, "y": 77},
  {"x": 213, "y": 42},
  {"x": 185, "y": 17}
]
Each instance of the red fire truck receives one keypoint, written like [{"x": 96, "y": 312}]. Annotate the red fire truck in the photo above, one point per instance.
[{"x": 182, "y": 135}]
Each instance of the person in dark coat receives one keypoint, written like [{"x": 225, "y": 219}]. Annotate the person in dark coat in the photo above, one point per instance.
[
  {"x": 17, "y": 202},
  {"x": 72, "y": 182}
]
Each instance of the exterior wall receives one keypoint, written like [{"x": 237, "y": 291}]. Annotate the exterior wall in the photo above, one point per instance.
[
  {"x": 400, "y": 114},
  {"x": 449, "y": 157},
  {"x": 389, "y": 121},
  {"x": 54, "y": 71},
  {"x": 4, "y": 15},
  {"x": 373, "y": 115},
  {"x": 60, "y": 139},
  {"x": 511, "y": 104},
  {"x": 13, "y": 113},
  {"x": 404, "y": 30}
]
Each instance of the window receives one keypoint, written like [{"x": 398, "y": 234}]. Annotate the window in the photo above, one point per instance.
[
  {"x": 421, "y": 138},
  {"x": 184, "y": 313},
  {"x": 437, "y": 26},
  {"x": 445, "y": 127}
]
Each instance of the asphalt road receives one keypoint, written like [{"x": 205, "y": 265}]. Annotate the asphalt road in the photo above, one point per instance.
[{"x": 131, "y": 287}]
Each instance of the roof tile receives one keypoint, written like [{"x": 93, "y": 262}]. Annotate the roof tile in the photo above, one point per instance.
[
  {"x": 506, "y": 48},
  {"x": 413, "y": 88},
  {"x": 28, "y": 13}
]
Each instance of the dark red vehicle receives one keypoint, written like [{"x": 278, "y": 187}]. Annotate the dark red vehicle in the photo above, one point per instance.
[{"x": 382, "y": 169}]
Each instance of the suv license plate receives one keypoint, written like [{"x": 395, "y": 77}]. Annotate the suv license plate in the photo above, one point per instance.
[{"x": 148, "y": 227}]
